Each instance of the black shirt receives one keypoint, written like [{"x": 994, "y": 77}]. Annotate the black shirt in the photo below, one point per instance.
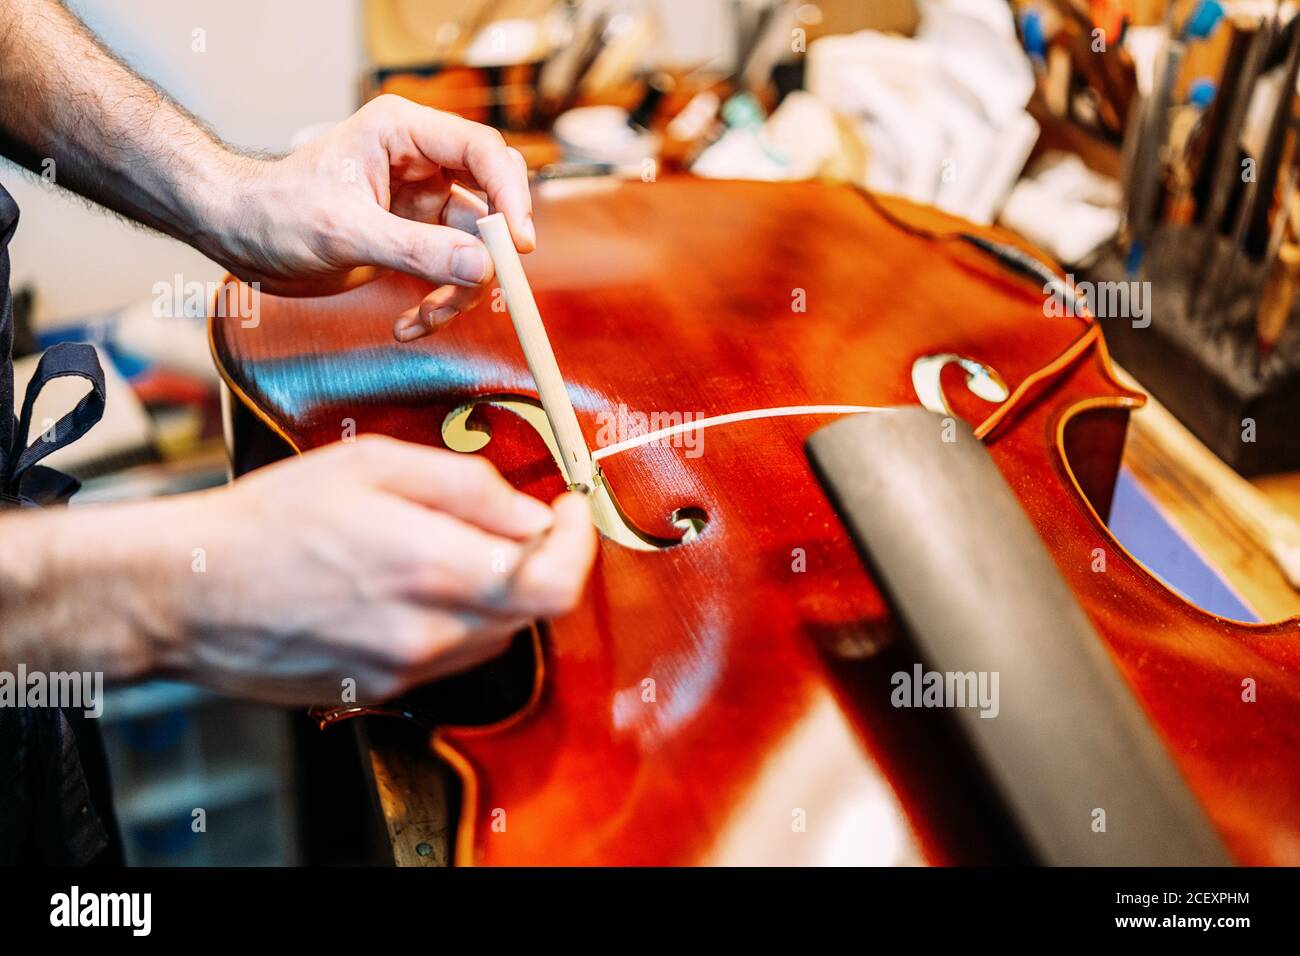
[{"x": 47, "y": 812}]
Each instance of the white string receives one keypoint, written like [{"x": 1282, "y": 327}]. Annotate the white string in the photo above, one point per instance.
[{"x": 727, "y": 419}]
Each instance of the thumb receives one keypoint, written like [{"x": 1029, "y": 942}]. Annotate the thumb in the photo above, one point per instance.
[{"x": 440, "y": 254}]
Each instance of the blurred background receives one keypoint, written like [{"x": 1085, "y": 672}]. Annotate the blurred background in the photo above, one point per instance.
[{"x": 1144, "y": 143}]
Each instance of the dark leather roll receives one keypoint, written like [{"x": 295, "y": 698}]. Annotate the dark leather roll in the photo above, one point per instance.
[{"x": 976, "y": 590}]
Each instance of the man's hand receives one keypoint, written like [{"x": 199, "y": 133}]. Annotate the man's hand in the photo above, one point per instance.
[
  {"x": 382, "y": 562},
  {"x": 376, "y": 192},
  {"x": 388, "y": 563}
]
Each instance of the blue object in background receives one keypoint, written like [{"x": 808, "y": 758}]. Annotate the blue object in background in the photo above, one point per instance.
[
  {"x": 1031, "y": 29},
  {"x": 1201, "y": 92},
  {"x": 167, "y": 839},
  {"x": 101, "y": 331},
  {"x": 157, "y": 733},
  {"x": 1202, "y": 21},
  {"x": 1142, "y": 529},
  {"x": 1134, "y": 260}
]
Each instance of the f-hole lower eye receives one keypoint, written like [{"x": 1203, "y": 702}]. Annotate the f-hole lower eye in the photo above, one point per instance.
[{"x": 691, "y": 522}]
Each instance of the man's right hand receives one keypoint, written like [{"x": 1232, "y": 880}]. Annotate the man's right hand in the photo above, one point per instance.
[
  {"x": 378, "y": 561},
  {"x": 385, "y": 562}
]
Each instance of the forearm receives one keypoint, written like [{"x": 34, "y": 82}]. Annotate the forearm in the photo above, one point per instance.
[
  {"x": 97, "y": 588},
  {"x": 113, "y": 137}
]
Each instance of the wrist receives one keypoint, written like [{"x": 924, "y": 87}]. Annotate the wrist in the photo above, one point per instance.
[
  {"x": 223, "y": 205},
  {"x": 157, "y": 559},
  {"x": 97, "y": 588},
  {"x": 23, "y": 561}
]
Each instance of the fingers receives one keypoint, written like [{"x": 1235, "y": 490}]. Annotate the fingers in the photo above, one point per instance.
[
  {"x": 467, "y": 487},
  {"x": 451, "y": 563},
  {"x": 551, "y": 575},
  {"x": 424, "y": 200},
  {"x": 436, "y": 200},
  {"x": 542, "y": 578},
  {"x": 458, "y": 209},
  {"x": 471, "y": 148},
  {"x": 485, "y": 638},
  {"x": 420, "y": 643},
  {"x": 430, "y": 644},
  {"x": 439, "y": 254},
  {"x": 463, "y": 566},
  {"x": 438, "y": 308},
  {"x": 464, "y": 210}
]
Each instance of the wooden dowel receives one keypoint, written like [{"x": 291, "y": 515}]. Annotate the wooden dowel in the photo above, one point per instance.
[{"x": 537, "y": 350}]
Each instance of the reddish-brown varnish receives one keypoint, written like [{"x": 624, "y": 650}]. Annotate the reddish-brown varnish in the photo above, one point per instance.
[{"x": 770, "y": 737}]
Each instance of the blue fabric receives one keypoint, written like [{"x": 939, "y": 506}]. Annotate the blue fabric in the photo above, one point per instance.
[{"x": 1142, "y": 529}]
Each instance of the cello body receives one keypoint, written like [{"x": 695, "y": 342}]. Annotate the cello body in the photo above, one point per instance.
[{"x": 724, "y": 696}]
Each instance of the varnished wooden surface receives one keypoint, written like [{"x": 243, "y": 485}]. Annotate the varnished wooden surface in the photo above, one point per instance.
[
  {"x": 1282, "y": 490},
  {"x": 676, "y": 296},
  {"x": 1182, "y": 476}
]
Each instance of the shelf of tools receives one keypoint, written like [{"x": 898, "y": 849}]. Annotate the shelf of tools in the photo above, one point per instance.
[
  {"x": 1207, "y": 148},
  {"x": 199, "y": 780}
]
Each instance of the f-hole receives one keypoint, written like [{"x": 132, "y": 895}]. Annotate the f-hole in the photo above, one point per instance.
[{"x": 464, "y": 432}]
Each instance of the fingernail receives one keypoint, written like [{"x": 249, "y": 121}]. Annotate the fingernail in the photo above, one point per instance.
[
  {"x": 442, "y": 315},
  {"x": 531, "y": 229},
  {"x": 531, "y": 516},
  {"x": 407, "y": 332},
  {"x": 469, "y": 264}
]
